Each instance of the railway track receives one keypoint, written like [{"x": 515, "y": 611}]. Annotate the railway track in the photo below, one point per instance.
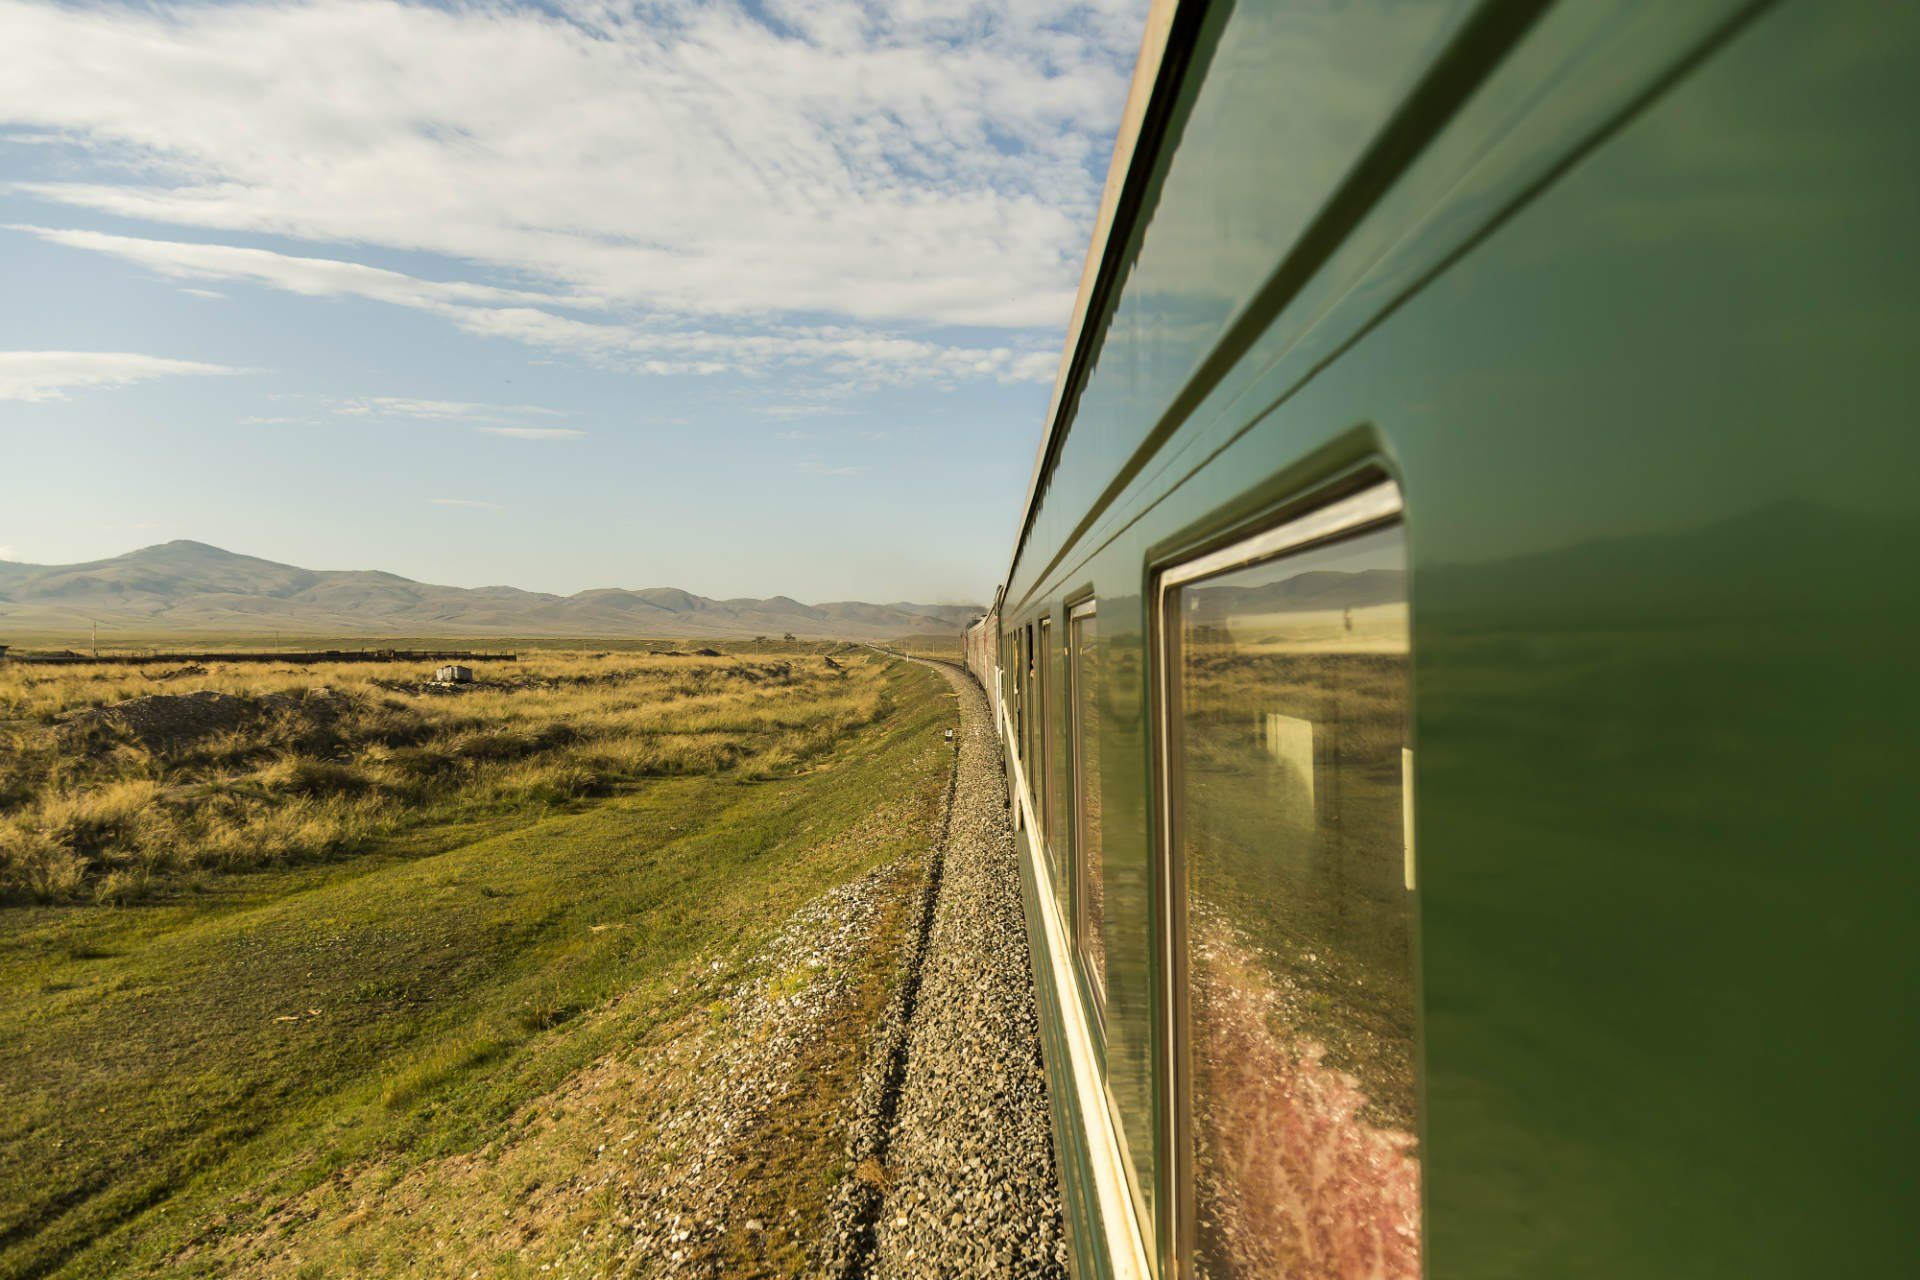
[{"x": 968, "y": 1185}]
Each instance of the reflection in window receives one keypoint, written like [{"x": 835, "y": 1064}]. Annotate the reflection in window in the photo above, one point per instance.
[
  {"x": 1289, "y": 734},
  {"x": 1020, "y": 690},
  {"x": 1027, "y": 706},
  {"x": 1084, "y": 690}
]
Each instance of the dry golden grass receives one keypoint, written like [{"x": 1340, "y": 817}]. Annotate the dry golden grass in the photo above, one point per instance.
[
  {"x": 390, "y": 1062},
  {"x": 948, "y": 646},
  {"x": 323, "y": 759}
]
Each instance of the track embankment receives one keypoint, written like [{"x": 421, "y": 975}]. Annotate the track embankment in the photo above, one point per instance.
[{"x": 969, "y": 1186}]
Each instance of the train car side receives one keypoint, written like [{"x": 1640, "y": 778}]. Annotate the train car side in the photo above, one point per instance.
[{"x": 1452, "y": 666}]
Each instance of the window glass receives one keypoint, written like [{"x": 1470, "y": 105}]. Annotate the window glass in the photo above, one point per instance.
[
  {"x": 1289, "y": 762},
  {"x": 1026, "y": 702},
  {"x": 1008, "y": 674},
  {"x": 1045, "y": 783},
  {"x": 1014, "y": 676},
  {"x": 1089, "y": 890}
]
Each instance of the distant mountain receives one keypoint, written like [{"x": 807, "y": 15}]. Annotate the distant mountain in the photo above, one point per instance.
[{"x": 190, "y": 586}]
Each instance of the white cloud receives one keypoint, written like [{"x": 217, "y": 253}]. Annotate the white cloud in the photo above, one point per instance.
[
  {"x": 801, "y": 409},
  {"x": 441, "y": 410},
  {"x": 850, "y": 355},
  {"x": 465, "y": 502},
  {"x": 923, "y": 163},
  {"x": 719, "y": 187},
  {"x": 7, "y": 553},
  {"x": 1034, "y": 366},
  {"x": 313, "y": 277},
  {"x": 534, "y": 433},
  {"x": 507, "y": 420},
  {"x": 49, "y": 375}
]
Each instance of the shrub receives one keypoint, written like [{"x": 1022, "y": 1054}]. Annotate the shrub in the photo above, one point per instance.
[
  {"x": 421, "y": 763},
  {"x": 117, "y": 888},
  {"x": 556, "y": 735},
  {"x": 495, "y": 748},
  {"x": 775, "y": 763},
  {"x": 92, "y": 820},
  {"x": 33, "y": 864},
  {"x": 556, "y": 782},
  {"x": 305, "y": 776}
]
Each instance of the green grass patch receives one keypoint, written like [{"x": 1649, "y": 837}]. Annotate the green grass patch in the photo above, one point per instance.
[{"x": 179, "y": 1067}]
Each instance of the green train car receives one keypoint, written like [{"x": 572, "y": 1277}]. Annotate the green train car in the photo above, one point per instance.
[{"x": 1456, "y": 662}]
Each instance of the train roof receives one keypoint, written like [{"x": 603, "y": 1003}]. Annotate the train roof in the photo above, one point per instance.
[{"x": 1170, "y": 25}]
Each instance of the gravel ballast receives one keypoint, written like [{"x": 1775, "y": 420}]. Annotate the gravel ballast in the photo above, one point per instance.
[{"x": 971, "y": 1188}]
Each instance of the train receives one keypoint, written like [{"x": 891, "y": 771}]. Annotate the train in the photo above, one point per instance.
[{"x": 1454, "y": 667}]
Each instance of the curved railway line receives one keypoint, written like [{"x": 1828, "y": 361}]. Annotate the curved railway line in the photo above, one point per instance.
[
  {"x": 951, "y": 1141},
  {"x": 971, "y": 1186}
]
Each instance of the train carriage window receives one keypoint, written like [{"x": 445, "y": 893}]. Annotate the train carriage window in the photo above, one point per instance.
[
  {"x": 1083, "y": 733},
  {"x": 1044, "y": 781},
  {"x": 1012, "y": 676},
  {"x": 1026, "y": 746},
  {"x": 1026, "y": 699},
  {"x": 1285, "y": 754}
]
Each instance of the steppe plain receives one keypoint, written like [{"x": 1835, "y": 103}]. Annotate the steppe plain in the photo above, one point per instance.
[{"x": 356, "y": 974}]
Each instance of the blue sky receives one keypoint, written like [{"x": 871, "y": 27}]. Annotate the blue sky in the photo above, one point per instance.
[{"x": 748, "y": 299}]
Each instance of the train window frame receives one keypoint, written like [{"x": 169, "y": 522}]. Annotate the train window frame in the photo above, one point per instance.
[
  {"x": 1079, "y": 897},
  {"x": 1301, "y": 527}
]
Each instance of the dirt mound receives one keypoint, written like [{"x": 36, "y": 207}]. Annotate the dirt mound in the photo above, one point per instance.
[{"x": 173, "y": 719}]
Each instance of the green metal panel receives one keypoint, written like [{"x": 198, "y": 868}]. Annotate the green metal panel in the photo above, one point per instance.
[
  {"x": 1244, "y": 173},
  {"x": 1637, "y": 335},
  {"x": 1069, "y": 1142}
]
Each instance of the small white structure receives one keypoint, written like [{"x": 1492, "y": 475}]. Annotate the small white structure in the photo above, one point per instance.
[{"x": 453, "y": 675}]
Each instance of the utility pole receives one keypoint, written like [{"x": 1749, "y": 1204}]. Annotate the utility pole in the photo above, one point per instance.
[{"x": 93, "y": 636}]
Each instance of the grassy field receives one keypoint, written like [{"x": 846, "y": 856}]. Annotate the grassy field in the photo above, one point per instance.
[
  {"x": 949, "y": 648},
  {"x": 297, "y": 762},
  {"x": 135, "y": 640},
  {"x": 261, "y": 983}
]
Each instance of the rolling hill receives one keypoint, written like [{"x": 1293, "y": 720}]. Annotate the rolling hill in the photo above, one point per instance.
[{"x": 192, "y": 587}]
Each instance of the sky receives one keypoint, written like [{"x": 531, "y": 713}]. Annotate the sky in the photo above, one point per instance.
[{"x": 745, "y": 298}]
